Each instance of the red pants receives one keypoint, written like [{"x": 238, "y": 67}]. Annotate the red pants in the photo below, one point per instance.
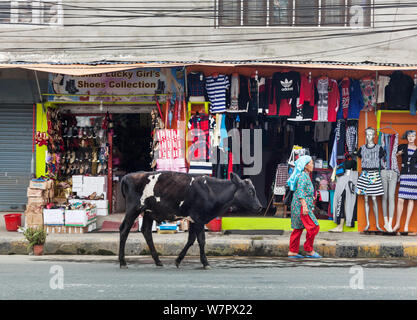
[{"x": 312, "y": 230}]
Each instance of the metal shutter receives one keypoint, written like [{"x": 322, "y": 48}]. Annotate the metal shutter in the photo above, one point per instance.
[{"x": 16, "y": 123}]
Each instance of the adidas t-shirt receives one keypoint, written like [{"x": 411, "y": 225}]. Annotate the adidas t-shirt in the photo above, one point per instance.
[
  {"x": 216, "y": 90},
  {"x": 286, "y": 85}
]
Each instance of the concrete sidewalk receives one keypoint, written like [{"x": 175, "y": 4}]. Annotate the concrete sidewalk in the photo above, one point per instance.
[{"x": 331, "y": 245}]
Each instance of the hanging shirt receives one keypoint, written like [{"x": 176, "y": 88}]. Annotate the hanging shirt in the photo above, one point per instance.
[
  {"x": 368, "y": 93},
  {"x": 356, "y": 102},
  {"x": 202, "y": 123},
  {"x": 321, "y": 110},
  {"x": 344, "y": 92},
  {"x": 253, "y": 97},
  {"x": 234, "y": 94},
  {"x": 334, "y": 101},
  {"x": 287, "y": 85},
  {"x": 216, "y": 89},
  {"x": 243, "y": 99},
  {"x": 196, "y": 85},
  {"x": 382, "y": 83}
]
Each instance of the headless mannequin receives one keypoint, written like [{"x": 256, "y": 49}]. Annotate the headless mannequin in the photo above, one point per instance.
[
  {"x": 350, "y": 166},
  {"x": 339, "y": 227},
  {"x": 411, "y": 137},
  {"x": 370, "y": 135}
]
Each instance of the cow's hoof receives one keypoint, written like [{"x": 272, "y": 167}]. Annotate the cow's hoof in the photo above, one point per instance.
[
  {"x": 159, "y": 264},
  {"x": 123, "y": 266},
  {"x": 207, "y": 267},
  {"x": 177, "y": 263}
]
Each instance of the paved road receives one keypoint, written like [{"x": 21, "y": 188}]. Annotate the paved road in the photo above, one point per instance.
[{"x": 99, "y": 277}]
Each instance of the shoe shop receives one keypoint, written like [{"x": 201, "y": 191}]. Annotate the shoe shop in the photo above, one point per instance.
[{"x": 357, "y": 123}]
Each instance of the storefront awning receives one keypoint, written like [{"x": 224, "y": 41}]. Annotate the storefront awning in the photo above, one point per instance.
[{"x": 81, "y": 69}]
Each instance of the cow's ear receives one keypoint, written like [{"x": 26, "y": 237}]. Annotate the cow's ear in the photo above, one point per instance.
[{"x": 235, "y": 178}]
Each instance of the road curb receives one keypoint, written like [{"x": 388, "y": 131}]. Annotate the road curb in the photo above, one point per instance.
[{"x": 218, "y": 247}]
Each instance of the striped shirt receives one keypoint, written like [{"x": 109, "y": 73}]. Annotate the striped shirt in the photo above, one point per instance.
[{"x": 216, "y": 90}]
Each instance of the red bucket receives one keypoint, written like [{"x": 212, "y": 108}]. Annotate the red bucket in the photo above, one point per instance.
[
  {"x": 215, "y": 225},
  {"x": 13, "y": 221}
]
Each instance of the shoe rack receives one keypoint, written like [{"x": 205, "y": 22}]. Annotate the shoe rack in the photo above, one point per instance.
[{"x": 86, "y": 147}]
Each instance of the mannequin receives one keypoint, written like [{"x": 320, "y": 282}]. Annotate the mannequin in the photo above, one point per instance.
[
  {"x": 369, "y": 182},
  {"x": 408, "y": 178},
  {"x": 345, "y": 196},
  {"x": 389, "y": 176}
]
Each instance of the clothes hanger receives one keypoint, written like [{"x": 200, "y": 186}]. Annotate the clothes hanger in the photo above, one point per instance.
[
  {"x": 415, "y": 78},
  {"x": 388, "y": 127}
]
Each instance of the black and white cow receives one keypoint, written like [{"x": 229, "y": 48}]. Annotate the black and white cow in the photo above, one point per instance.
[{"x": 172, "y": 196}]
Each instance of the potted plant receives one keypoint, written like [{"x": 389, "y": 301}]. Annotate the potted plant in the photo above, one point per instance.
[{"x": 36, "y": 238}]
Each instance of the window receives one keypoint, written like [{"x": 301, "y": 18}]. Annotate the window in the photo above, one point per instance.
[
  {"x": 306, "y": 13},
  {"x": 254, "y": 12},
  {"x": 294, "y": 13},
  {"x": 333, "y": 13},
  {"x": 229, "y": 13},
  {"x": 280, "y": 12}
]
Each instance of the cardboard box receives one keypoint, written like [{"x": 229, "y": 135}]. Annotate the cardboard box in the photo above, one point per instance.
[
  {"x": 35, "y": 209},
  {"x": 33, "y": 219},
  {"x": 36, "y": 193},
  {"x": 80, "y": 218},
  {"x": 54, "y": 217},
  {"x": 50, "y": 184},
  {"x": 43, "y": 185},
  {"x": 36, "y": 201}
]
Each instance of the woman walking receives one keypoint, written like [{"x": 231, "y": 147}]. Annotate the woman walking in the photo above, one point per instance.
[{"x": 302, "y": 205}]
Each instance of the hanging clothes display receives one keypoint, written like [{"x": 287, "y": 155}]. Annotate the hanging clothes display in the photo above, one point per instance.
[
  {"x": 200, "y": 125},
  {"x": 398, "y": 91},
  {"x": 286, "y": 87},
  {"x": 234, "y": 93},
  {"x": 196, "y": 85},
  {"x": 281, "y": 177},
  {"x": 305, "y": 106},
  {"x": 356, "y": 102},
  {"x": 368, "y": 89},
  {"x": 344, "y": 92},
  {"x": 216, "y": 86},
  {"x": 243, "y": 99}
]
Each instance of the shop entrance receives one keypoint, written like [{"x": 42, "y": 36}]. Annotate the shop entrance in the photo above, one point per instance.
[{"x": 131, "y": 150}]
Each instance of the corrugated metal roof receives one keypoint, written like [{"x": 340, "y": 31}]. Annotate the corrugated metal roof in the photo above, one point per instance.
[{"x": 235, "y": 62}]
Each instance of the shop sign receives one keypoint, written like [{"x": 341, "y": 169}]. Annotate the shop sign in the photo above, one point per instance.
[{"x": 137, "y": 85}]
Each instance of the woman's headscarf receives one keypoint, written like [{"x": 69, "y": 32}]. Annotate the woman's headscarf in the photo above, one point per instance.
[{"x": 299, "y": 167}]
